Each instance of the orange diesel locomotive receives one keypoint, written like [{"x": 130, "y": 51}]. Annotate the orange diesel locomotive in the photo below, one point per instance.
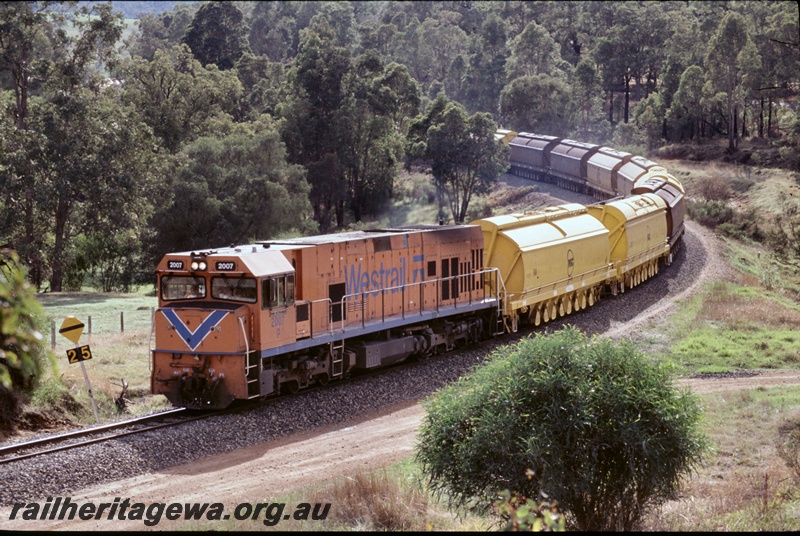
[{"x": 251, "y": 321}]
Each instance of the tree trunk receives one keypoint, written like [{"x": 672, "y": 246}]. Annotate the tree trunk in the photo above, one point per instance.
[
  {"x": 62, "y": 214},
  {"x": 627, "y": 96},
  {"x": 769, "y": 118}
]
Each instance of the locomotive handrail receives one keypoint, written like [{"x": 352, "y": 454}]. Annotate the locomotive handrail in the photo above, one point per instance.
[{"x": 353, "y": 298}]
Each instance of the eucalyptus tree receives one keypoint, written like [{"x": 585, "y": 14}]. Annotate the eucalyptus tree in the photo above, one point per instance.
[
  {"x": 162, "y": 31},
  {"x": 464, "y": 156},
  {"x": 534, "y": 51},
  {"x": 486, "y": 72},
  {"x": 372, "y": 120},
  {"x": 176, "y": 96},
  {"x": 217, "y": 34},
  {"x": 79, "y": 157},
  {"x": 731, "y": 61},
  {"x": 539, "y": 103},
  {"x": 687, "y": 110},
  {"x": 310, "y": 128},
  {"x": 233, "y": 188}
]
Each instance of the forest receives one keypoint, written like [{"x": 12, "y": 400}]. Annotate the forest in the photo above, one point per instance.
[{"x": 203, "y": 124}]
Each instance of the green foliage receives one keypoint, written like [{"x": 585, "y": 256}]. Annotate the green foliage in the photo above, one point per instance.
[
  {"x": 464, "y": 156},
  {"x": 234, "y": 188},
  {"x": 22, "y": 347},
  {"x": 537, "y": 103},
  {"x": 524, "y": 515},
  {"x": 217, "y": 35},
  {"x": 588, "y": 423}
]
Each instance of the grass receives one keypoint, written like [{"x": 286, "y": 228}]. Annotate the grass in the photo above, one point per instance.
[
  {"x": 744, "y": 485},
  {"x": 116, "y": 356},
  {"x": 391, "y": 499}
]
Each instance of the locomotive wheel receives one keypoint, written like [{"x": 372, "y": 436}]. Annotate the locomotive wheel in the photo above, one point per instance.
[
  {"x": 322, "y": 379},
  {"x": 290, "y": 387}
]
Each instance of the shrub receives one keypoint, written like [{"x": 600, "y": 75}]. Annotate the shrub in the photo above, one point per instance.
[
  {"x": 22, "y": 348},
  {"x": 589, "y": 424}
]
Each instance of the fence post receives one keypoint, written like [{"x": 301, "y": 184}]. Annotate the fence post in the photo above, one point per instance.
[
  {"x": 121, "y": 322},
  {"x": 90, "y": 328},
  {"x": 52, "y": 335}
]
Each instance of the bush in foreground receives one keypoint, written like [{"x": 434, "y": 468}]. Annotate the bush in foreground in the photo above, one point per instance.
[
  {"x": 585, "y": 422},
  {"x": 22, "y": 347}
]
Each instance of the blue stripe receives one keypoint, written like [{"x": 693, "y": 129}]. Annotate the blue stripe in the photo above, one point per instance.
[
  {"x": 418, "y": 258},
  {"x": 194, "y": 338}
]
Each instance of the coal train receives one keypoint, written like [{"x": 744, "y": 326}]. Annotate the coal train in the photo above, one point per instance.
[{"x": 251, "y": 321}]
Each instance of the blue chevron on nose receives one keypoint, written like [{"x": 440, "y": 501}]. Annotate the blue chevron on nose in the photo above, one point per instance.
[{"x": 194, "y": 338}]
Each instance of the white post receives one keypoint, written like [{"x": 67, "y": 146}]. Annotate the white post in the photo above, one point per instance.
[{"x": 91, "y": 396}]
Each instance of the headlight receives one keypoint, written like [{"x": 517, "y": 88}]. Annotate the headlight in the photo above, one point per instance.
[
  {"x": 199, "y": 264},
  {"x": 203, "y": 265},
  {"x": 195, "y": 265}
]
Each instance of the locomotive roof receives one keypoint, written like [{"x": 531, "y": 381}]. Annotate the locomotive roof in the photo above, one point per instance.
[{"x": 351, "y": 235}]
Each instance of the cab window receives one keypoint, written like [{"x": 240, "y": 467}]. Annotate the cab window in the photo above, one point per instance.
[
  {"x": 182, "y": 287},
  {"x": 240, "y": 289},
  {"x": 278, "y": 291}
]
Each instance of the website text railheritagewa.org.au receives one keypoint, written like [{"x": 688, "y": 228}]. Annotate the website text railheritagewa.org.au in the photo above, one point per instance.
[{"x": 63, "y": 508}]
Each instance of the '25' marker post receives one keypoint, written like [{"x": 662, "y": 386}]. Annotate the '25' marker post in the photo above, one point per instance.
[{"x": 72, "y": 328}]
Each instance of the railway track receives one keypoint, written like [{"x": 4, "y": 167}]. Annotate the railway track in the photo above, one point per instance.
[
  {"x": 54, "y": 444},
  {"x": 97, "y": 434}
]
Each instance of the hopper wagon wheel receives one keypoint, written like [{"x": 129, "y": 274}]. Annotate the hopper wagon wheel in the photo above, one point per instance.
[
  {"x": 553, "y": 310},
  {"x": 591, "y": 298},
  {"x": 568, "y": 304},
  {"x": 614, "y": 288},
  {"x": 546, "y": 313},
  {"x": 583, "y": 300},
  {"x": 537, "y": 320},
  {"x": 561, "y": 309},
  {"x": 655, "y": 268}
]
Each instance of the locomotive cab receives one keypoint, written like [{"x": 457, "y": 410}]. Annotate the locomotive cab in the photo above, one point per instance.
[{"x": 217, "y": 309}]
